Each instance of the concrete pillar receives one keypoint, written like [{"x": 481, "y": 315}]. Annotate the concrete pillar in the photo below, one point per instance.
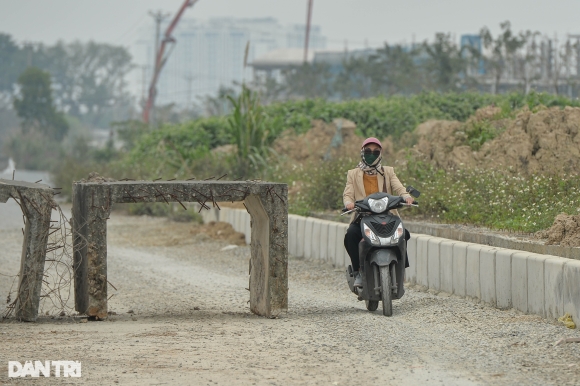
[
  {"x": 308, "y": 225},
  {"x": 535, "y": 267},
  {"x": 503, "y": 278},
  {"x": 300, "y": 226},
  {"x": 91, "y": 209},
  {"x": 487, "y": 275},
  {"x": 292, "y": 233},
  {"x": 472, "y": 285},
  {"x": 520, "y": 281},
  {"x": 433, "y": 264},
  {"x": 323, "y": 243},
  {"x": 460, "y": 268},
  {"x": 36, "y": 203},
  {"x": 333, "y": 242},
  {"x": 422, "y": 260},
  {"x": 315, "y": 246},
  {"x": 411, "y": 272},
  {"x": 554, "y": 287},
  {"x": 572, "y": 289},
  {"x": 446, "y": 264}
]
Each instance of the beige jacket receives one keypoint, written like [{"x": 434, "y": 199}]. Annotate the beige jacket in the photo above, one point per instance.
[{"x": 355, "y": 191}]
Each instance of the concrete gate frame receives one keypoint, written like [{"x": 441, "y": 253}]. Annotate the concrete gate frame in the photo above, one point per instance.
[{"x": 266, "y": 202}]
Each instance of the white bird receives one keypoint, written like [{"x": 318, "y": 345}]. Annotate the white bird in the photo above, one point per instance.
[{"x": 11, "y": 167}]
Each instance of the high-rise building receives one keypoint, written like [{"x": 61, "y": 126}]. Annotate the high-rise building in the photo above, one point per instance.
[{"x": 210, "y": 54}]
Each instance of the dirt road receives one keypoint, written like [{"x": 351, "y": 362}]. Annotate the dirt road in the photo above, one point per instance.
[{"x": 181, "y": 317}]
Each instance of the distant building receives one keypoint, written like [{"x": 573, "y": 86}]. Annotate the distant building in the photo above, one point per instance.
[{"x": 210, "y": 54}]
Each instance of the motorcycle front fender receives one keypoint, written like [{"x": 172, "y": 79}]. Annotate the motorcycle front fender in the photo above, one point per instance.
[{"x": 383, "y": 257}]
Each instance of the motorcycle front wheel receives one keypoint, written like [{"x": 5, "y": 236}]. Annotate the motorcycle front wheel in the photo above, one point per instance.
[
  {"x": 386, "y": 291},
  {"x": 372, "y": 305}
]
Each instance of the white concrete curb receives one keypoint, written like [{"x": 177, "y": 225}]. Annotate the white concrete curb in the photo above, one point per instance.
[{"x": 544, "y": 285}]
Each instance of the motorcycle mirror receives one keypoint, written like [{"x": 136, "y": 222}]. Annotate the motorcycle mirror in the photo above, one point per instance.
[{"x": 413, "y": 192}]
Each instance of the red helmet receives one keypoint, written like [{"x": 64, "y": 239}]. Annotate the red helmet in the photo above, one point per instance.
[{"x": 372, "y": 140}]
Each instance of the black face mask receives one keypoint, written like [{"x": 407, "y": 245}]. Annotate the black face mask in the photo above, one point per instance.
[{"x": 370, "y": 156}]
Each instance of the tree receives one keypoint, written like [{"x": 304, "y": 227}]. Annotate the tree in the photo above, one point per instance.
[
  {"x": 502, "y": 51},
  {"x": 10, "y": 64},
  {"x": 445, "y": 63},
  {"x": 394, "y": 70},
  {"x": 309, "y": 80},
  {"x": 35, "y": 105}
]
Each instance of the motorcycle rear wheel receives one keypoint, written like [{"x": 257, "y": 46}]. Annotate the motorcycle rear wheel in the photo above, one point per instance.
[
  {"x": 386, "y": 291},
  {"x": 372, "y": 305}
]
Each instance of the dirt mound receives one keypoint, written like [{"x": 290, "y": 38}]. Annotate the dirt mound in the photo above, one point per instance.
[
  {"x": 220, "y": 231},
  {"x": 324, "y": 141},
  {"x": 546, "y": 141},
  {"x": 565, "y": 231}
]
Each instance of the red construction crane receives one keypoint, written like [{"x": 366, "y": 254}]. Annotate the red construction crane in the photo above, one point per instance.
[{"x": 160, "y": 59}]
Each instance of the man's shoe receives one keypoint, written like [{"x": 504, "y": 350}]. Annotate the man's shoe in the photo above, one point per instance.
[{"x": 357, "y": 280}]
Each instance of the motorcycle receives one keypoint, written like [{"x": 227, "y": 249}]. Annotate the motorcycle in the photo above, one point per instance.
[{"x": 382, "y": 250}]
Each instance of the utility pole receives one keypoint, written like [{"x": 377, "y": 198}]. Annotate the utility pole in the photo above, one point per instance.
[
  {"x": 158, "y": 17},
  {"x": 307, "y": 35}
]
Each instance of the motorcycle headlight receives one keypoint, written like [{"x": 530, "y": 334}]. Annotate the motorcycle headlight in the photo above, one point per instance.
[
  {"x": 371, "y": 235},
  {"x": 378, "y": 206},
  {"x": 398, "y": 233}
]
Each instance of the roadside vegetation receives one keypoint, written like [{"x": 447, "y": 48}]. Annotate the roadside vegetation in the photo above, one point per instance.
[{"x": 241, "y": 146}]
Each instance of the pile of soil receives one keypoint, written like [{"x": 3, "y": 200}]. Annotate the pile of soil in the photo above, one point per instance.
[
  {"x": 565, "y": 231},
  {"x": 324, "y": 141},
  {"x": 545, "y": 141},
  {"x": 220, "y": 231}
]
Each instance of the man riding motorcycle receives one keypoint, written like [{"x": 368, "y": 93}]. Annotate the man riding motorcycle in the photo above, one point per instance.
[{"x": 367, "y": 178}]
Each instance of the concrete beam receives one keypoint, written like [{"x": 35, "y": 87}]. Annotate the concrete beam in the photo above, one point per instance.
[{"x": 267, "y": 204}]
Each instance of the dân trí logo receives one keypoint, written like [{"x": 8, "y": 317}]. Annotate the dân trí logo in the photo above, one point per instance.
[{"x": 46, "y": 368}]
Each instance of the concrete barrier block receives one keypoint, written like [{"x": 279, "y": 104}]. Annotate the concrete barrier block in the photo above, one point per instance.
[
  {"x": 553, "y": 287},
  {"x": 503, "y": 278},
  {"x": 535, "y": 267},
  {"x": 459, "y": 268},
  {"x": 520, "y": 281},
  {"x": 308, "y": 237},
  {"x": 236, "y": 223},
  {"x": 332, "y": 242},
  {"x": 323, "y": 240},
  {"x": 343, "y": 257},
  {"x": 433, "y": 263},
  {"x": 472, "y": 284},
  {"x": 411, "y": 272},
  {"x": 422, "y": 260},
  {"x": 292, "y": 223},
  {"x": 571, "y": 289},
  {"x": 300, "y": 226},
  {"x": 316, "y": 245},
  {"x": 487, "y": 275},
  {"x": 446, "y": 265}
]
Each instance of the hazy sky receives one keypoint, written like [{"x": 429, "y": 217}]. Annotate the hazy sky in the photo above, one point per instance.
[{"x": 117, "y": 21}]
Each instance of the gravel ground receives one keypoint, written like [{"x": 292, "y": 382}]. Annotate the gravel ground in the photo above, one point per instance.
[{"x": 181, "y": 317}]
